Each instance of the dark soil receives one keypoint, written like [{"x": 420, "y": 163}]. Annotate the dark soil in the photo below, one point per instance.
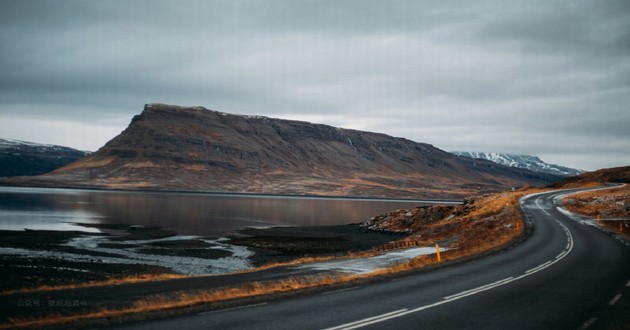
[
  {"x": 189, "y": 252},
  {"x": 280, "y": 244}
]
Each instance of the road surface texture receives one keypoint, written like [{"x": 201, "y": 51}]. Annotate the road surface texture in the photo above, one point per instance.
[{"x": 566, "y": 275}]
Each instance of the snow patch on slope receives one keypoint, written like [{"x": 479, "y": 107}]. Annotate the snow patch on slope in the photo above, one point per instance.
[{"x": 532, "y": 163}]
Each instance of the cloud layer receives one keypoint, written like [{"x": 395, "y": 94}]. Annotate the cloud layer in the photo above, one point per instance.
[{"x": 537, "y": 77}]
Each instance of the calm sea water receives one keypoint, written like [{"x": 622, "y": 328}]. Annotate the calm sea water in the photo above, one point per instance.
[{"x": 187, "y": 214}]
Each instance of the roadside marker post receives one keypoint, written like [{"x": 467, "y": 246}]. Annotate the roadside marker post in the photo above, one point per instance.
[
  {"x": 598, "y": 218},
  {"x": 437, "y": 251}
]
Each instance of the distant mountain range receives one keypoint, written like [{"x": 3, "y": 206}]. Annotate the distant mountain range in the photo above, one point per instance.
[
  {"x": 28, "y": 158},
  {"x": 529, "y": 162},
  {"x": 195, "y": 149}
]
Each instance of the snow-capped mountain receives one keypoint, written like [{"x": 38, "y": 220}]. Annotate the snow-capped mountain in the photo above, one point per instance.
[
  {"x": 28, "y": 158},
  {"x": 529, "y": 162}
]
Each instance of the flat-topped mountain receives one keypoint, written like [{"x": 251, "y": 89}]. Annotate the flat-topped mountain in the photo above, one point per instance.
[{"x": 192, "y": 148}]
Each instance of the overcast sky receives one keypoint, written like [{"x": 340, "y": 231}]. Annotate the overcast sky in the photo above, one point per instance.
[{"x": 548, "y": 78}]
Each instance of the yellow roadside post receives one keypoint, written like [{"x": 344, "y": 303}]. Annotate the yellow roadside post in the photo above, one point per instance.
[{"x": 437, "y": 251}]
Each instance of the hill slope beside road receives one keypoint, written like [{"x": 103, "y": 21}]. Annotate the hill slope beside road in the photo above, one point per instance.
[{"x": 177, "y": 148}]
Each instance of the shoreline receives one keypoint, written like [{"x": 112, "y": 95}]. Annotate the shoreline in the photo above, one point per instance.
[
  {"x": 37, "y": 258},
  {"x": 238, "y": 194}
]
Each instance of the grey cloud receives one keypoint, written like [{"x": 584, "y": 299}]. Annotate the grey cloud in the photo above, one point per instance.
[{"x": 527, "y": 76}]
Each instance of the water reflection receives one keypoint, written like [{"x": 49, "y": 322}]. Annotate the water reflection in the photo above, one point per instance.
[{"x": 187, "y": 214}]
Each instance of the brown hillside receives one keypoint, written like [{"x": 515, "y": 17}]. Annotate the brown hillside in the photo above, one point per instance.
[
  {"x": 178, "y": 148},
  {"x": 616, "y": 174}
]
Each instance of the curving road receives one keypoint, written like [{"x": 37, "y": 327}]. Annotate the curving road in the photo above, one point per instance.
[{"x": 566, "y": 275}]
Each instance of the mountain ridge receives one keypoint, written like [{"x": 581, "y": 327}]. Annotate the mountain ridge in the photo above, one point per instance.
[
  {"x": 19, "y": 157},
  {"x": 530, "y": 162},
  {"x": 192, "y": 148}
]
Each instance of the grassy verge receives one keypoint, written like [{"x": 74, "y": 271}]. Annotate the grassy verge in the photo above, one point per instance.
[
  {"x": 606, "y": 203},
  {"x": 611, "y": 205},
  {"x": 112, "y": 281}
]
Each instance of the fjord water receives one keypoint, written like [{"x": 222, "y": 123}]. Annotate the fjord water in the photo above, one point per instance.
[{"x": 212, "y": 215}]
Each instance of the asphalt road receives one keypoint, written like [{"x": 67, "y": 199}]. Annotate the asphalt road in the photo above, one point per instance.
[{"x": 566, "y": 275}]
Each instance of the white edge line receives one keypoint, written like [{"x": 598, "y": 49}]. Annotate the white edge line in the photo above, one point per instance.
[
  {"x": 537, "y": 267},
  {"x": 374, "y": 321},
  {"x": 478, "y": 288},
  {"x": 345, "y": 326}
]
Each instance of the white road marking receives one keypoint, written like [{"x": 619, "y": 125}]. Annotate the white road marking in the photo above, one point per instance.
[
  {"x": 536, "y": 268},
  {"x": 369, "y": 320},
  {"x": 614, "y": 300},
  {"x": 588, "y": 323},
  {"x": 232, "y": 309},
  {"x": 479, "y": 289},
  {"x": 403, "y": 312}
]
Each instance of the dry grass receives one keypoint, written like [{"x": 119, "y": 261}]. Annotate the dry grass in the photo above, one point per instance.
[
  {"x": 112, "y": 281},
  {"x": 606, "y": 203}
]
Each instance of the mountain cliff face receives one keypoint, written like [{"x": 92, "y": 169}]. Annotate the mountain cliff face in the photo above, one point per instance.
[
  {"x": 178, "y": 148},
  {"x": 528, "y": 162},
  {"x": 28, "y": 158}
]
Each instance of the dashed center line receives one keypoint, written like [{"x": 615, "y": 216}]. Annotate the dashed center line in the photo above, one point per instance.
[
  {"x": 588, "y": 323},
  {"x": 614, "y": 300}
]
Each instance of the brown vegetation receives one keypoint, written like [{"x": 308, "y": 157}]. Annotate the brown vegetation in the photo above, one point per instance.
[
  {"x": 605, "y": 203},
  {"x": 106, "y": 282},
  {"x": 611, "y": 205}
]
